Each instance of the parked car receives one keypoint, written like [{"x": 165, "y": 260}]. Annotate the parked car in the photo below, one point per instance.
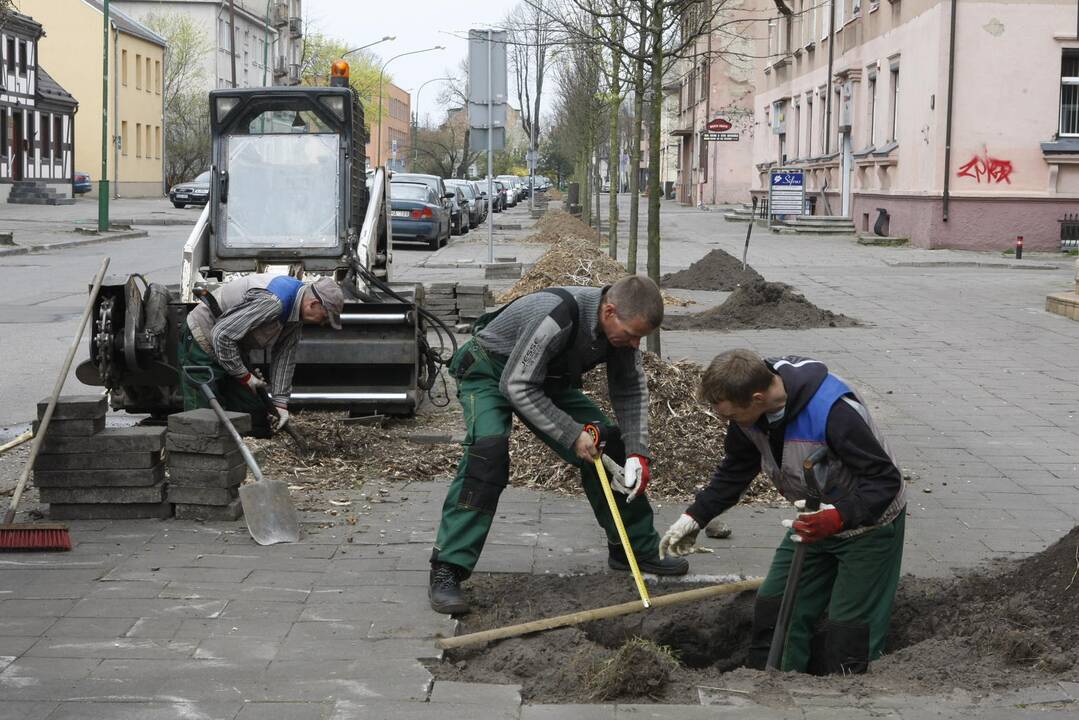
[
  {"x": 418, "y": 214},
  {"x": 472, "y": 200},
  {"x": 434, "y": 182},
  {"x": 502, "y": 195},
  {"x": 459, "y": 209},
  {"x": 83, "y": 184},
  {"x": 512, "y": 195},
  {"x": 192, "y": 192},
  {"x": 481, "y": 199}
]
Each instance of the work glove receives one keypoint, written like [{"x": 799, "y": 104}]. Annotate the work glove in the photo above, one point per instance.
[
  {"x": 253, "y": 383},
  {"x": 810, "y": 527},
  {"x": 634, "y": 477},
  {"x": 680, "y": 539},
  {"x": 280, "y": 419}
]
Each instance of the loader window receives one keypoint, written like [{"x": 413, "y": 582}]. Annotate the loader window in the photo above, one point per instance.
[
  {"x": 284, "y": 191},
  {"x": 291, "y": 122}
]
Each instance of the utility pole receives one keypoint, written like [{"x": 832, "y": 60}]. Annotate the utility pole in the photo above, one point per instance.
[
  {"x": 490, "y": 158},
  {"x": 232, "y": 38},
  {"x": 103, "y": 183}
]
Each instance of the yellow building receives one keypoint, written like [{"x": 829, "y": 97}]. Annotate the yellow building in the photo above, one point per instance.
[{"x": 71, "y": 48}]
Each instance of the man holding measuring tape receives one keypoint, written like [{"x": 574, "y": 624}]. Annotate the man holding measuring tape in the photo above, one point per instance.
[{"x": 527, "y": 359}]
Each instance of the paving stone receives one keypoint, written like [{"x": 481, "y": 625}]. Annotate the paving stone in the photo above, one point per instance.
[
  {"x": 215, "y": 513},
  {"x": 111, "y": 495},
  {"x": 106, "y": 511},
  {"x": 72, "y": 428},
  {"x": 567, "y": 712},
  {"x": 208, "y": 478},
  {"x": 100, "y": 478},
  {"x": 198, "y": 461},
  {"x": 208, "y": 710},
  {"x": 284, "y": 711},
  {"x": 196, "y": 495},
  {"x": 202, "y": 444},
  {"x": 97, "y": 461},
  {"x": 138, "y": 438},
  {"x": 75, "y": 407},
  {"x": 29, "y": 710},
  {"x": 465, "y": 693},
  {"x": 204, "y": 421}
]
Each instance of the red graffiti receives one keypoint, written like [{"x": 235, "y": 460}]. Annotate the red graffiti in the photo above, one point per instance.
[{"x": 985, "y": 166}]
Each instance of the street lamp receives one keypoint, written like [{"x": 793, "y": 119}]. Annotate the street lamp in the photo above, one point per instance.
[
  {"x": 364, "y": 47},
  {"x": 416, "y": 125},
  {"x": 381, "y": 74}
]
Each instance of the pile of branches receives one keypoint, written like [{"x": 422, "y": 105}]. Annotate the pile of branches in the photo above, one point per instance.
[{"x": 573, "y": 262}]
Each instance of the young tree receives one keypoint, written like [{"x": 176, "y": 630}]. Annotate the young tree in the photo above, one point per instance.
[
  {"x": 318, "y": 55},
  {"x": 187, "y": 110}
]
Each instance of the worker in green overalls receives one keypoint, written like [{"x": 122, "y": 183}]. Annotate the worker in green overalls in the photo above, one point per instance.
[{"x": 527, "y": 360}]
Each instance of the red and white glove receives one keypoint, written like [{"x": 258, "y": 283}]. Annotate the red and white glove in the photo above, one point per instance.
[
  {"x": 634, "y": 477},
  {"x": 811, "y": 527},
  {"x": 253, "y": 383},
  {"x": 280, "y": 420}
]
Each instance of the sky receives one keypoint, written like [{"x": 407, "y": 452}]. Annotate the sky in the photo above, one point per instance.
[{"x": 417, "y": 24}]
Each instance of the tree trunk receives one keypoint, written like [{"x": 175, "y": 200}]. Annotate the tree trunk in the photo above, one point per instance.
[
  {"x": 635, "y": 151},
  {"x": 614, "y": 156},
  {"x": 654, "y": 139}
]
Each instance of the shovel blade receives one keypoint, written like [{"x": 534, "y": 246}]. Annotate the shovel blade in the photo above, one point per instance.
[{"x": 268, "y": 510}]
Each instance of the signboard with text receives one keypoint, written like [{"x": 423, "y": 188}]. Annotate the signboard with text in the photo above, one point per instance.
[
  {"x": 721, "y": 137},
  {"x": 786, "y": 192},
  {"x": 719, "y": 125}
]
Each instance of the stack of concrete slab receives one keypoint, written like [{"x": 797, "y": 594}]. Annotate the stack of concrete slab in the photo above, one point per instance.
[
  {"x": 206, "y": 467},
  {"x": 441, "y": 300},
  {"x": 471, "y": 301},
  {"x": 502, "y": 271},
  {"x": 85, "y": 471}
]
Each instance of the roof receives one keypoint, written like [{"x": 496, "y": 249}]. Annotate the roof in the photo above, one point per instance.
[
  {"x": 24, "y": 24},
  {"x": 50, "y": 92},
  {"x": 127, "y": 24}
]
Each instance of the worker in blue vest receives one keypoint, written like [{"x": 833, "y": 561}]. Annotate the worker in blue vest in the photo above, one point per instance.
[
  {"x": 781, "y": 411},
  {"x": 260, "y": 311}
]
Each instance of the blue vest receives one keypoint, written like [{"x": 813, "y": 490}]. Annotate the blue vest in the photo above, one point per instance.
[{"x": 285, "y": 289}]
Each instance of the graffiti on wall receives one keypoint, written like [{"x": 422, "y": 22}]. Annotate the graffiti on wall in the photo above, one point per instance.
[{"x": 987, "y": 168}]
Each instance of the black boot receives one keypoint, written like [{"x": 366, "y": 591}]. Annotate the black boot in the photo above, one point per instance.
[
  {"x": 616, "y": 560},
  {"x": 765, "y": 617},
  {"x": 445, "y": 589}
]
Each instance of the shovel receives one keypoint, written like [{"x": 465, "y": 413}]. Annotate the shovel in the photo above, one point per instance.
[
  {"x": 268, "y": 510},
  {"x": 293, "y": 433}
]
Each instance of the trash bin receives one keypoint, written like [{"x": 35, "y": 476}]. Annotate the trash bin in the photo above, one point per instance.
[{"x": 668, "y": 190}]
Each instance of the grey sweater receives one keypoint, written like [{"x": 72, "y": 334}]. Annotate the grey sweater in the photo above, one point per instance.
[{"x": 527, "y": 335}]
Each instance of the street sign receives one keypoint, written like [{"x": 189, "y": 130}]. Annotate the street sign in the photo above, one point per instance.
[
  {"x": 477, "y": 115},
  {"x": 718, "y": 125},
  {"x": 721, "y": 137},
  {"x": 531, "y": 157},
  {"x": 477, "y": 139},
  {"x": 786, "y": 192},
  {"x": 478, "y": 65}
]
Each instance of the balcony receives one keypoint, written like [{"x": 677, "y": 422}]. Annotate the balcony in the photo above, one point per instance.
[
  {"x": 280, "y": 67},
  {"x": 280, "y": 14},
  {"x": 294, "y": 74},
  {"x": 295, "y": 27}
]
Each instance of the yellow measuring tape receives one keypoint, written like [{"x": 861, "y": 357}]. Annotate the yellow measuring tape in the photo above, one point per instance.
[{"x": 622, "y": 533}]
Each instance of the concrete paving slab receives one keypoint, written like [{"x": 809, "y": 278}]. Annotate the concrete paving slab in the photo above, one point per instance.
[{"x": 284, "y": 711}]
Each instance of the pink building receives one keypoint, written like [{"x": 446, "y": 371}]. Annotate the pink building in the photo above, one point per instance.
[{"x": 966, "y": 141}]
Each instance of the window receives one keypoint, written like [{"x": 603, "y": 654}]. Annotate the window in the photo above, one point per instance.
[
  {"x": 797, "y": 128},
  {"x": 138, "y": 140},
  {"x": 123, "y": 138},
  {"x": 840, "y": 13},
  {"x": 871, "y": 107},
  {"x": 148, "y": 75},
  {"x": 1069, "y": 93},
  {"x": 157, "y": 142},
  {"x": 3, "y": 133},
  {"x": 58, "y": 137},
  {"x": 147, "y": 146},
  {"x": 123, "y": 67},
  {"x": 11, "y": 55},
  {"x": 43, "y": 136},
  {"x": 895, "y": 102},
  {"x": 138, "y": 72},
  {"x": 157, "y": 76},
  {"x": 22, "y": 57},
  {"x": 809, "y": 125},
  {"x": 825, "y": 20}
]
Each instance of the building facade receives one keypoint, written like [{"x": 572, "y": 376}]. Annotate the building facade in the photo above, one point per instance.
[
  {"x": 968, "y": 141},
  {"x": 268, "y": 37},
  {"x": 396, "y": 131},
  {"x": 136, "y": 58},
  {"x": 37, "y": 129}
]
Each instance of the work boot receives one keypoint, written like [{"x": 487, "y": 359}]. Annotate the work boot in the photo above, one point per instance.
[
  {"x": 616, "y": 560},
  {"x": 445, "y": 589}
]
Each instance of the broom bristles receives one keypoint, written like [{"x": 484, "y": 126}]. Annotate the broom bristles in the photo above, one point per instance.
[{"x": 31, "y": 537}]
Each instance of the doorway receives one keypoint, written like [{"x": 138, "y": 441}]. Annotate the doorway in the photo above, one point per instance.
[
  {"x": 16, "y": 146},
  {"x": 846, "y": 169}
]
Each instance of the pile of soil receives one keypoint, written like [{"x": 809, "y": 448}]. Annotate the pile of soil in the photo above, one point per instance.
[
  {"x": 760, "y": 305},
  {"x": 1008, "y": 628},
  {"x": 557, "y": 225},
  {"x": 718, "y": 270}
]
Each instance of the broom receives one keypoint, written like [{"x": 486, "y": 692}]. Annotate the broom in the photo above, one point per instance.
[{"x": 45, "y": 536}]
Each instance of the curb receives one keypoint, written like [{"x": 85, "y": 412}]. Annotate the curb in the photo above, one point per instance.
[
  {"x": 31, "y": 249},
  {"x": 1018, "y": 265}
]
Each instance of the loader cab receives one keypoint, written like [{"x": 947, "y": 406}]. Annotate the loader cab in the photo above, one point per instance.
[{"x": 287, "y": 177}]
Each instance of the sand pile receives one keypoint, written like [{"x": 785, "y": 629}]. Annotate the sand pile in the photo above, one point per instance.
[
  {"x": 758, "y": 306},
  {"x": 718, "y": 270},
  {"x": 557, "y": 225}
]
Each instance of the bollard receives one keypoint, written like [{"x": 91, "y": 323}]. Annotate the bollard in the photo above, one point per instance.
[{"x": 1019, "y": 248}]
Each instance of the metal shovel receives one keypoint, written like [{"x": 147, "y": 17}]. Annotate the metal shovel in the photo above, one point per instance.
[{"x": 268, "y": 510}]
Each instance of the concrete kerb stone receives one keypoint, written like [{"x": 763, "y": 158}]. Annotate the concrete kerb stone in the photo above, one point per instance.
[
  {"x": 30, "y": 249},
  {"x": 99, "y": 478},
  {"x": 96, "y": 511},
  {"x": 208, "y": 513},
  {"x": 201, "y": 444},
  {"x": 204, "y": 421},
  {"x": 73, "y": 428},
  {"x": 208, "y": 478},
  {"x": 198, "y": 461},
  {"x": 96, "y": 495},
  {"x": 137, "y": 438},
  {"x": 74, "y": 407},
  {"x": 195, "y": 495},
  {"x": 97, "y": 461}
]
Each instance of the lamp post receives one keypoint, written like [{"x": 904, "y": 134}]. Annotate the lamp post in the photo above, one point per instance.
[
  {"x": 381, "y": 75},
  {"x": 416, "y": 125},
  {"x": 387, "y": 38},
  {"x": 103, "y": 183}
]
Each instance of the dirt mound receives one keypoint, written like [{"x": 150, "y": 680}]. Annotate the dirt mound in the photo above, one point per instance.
[
  {"x": 557, "y": 225},
  {"x": 718, "y": 270},
  {"x": 1009, "y": 628},
  {"x": 573, "y": 261},
  {"x": 758, "y": 306}
]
